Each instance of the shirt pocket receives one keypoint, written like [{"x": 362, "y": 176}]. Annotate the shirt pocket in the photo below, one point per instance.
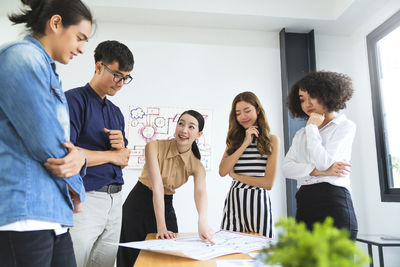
[
  {"x": 58, "y": 93},
  {"x": 61, "y": 110},
  {"x": 56, "y": 88}
]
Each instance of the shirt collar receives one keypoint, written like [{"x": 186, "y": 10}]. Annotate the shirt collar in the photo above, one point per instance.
[
  {"x": 337, "y": 120},
  {"x": 173, "y": 152},
  {"x": 95, "y": 95},
  {"x": 34, "y": 41}
]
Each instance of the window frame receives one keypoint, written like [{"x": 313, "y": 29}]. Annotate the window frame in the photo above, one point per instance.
[{"x": 388, "y": 194}]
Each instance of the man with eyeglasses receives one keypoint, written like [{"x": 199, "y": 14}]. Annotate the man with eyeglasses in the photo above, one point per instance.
[{"x": 97, "y": 127}]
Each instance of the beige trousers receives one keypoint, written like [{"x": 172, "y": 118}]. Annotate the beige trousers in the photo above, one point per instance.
[{"x": 98, "y": 225}]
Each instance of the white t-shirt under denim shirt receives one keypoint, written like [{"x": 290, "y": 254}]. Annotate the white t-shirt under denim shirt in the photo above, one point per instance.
[{"x": 320, "y": 148}]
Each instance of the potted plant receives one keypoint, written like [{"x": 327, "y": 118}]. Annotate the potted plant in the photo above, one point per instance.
[{"x": 325, "y": 246}]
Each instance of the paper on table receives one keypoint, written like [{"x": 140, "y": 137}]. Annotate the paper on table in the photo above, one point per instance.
[
  {"x": 226, "y": 242},
  {"x": 241, "y": 263},
  {"x": 254, "y": 255},
  {"x": 234, "y": 263}
]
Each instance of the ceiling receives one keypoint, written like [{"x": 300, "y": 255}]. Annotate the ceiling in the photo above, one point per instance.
[{"x": 340, "y": 17}]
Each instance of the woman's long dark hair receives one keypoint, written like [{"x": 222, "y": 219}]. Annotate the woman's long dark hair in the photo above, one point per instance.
[
  {"x": 200, "y": 120},
  {"x": 35, "y": 18}
]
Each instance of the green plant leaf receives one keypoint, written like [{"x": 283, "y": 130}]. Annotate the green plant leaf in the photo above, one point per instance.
[{"x": 325, "y": 246}]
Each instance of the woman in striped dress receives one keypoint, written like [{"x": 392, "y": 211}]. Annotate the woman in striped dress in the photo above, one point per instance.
[{"x": 250, "y": 158}]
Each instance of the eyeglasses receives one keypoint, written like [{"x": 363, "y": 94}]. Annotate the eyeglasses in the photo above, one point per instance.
[{"x": 118, "y": 77}]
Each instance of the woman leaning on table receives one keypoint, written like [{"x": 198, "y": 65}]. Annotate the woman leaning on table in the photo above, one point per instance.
[
  {"x": 320, "y": 152},
  {"x": 169, "y": 163}
]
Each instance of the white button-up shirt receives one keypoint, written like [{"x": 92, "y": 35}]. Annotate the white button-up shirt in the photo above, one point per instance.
[{"x": 320, "y": 148}]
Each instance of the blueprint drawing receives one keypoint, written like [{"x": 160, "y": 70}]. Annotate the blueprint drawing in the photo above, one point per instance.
[{"x": 193, "y": 247}]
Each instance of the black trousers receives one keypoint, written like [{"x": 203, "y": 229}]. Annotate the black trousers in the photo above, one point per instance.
[
  {"x": 138, "y": 220},
  {"x": 317, "y": 201},
  {"x": 36, "y": 249}
]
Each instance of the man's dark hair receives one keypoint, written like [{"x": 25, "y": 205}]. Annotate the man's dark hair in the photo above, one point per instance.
[
  {"x": 110, "y": 51},
  {"x": 332, "y": 90}
]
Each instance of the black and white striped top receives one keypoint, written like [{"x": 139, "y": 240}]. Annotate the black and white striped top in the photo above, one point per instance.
[{"x": 250, "y": 163}]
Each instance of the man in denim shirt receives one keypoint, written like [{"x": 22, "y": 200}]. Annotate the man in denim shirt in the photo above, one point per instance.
[
  {"x": 97, "y": 126},
  {"x": 40, "y": 184}
]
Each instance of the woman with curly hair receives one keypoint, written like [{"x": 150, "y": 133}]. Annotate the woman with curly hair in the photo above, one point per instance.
[
  {"x": 249, "y": 146},
  {"x": 320, "y": 152}
]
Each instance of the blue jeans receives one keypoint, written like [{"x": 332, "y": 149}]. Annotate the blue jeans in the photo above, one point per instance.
[{"x": 36, "y": 249}]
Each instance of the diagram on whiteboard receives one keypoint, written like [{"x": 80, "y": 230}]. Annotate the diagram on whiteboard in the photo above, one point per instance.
[{"x": 151, "y": 123}]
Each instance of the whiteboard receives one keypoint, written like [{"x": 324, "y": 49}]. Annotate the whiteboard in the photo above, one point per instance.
[{"x": 147, "y": 123}]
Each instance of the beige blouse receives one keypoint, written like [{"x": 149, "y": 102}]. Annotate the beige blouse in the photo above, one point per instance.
[{"x": 175, "y": 167}]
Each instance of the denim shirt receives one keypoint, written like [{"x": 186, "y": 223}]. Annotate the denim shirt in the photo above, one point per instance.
[{"x": 34, "y": 123}]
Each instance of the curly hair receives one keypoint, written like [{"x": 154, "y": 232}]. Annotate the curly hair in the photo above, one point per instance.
[
  {"x": 332, "y": 90},
  {"x": 237, "y": 132}
]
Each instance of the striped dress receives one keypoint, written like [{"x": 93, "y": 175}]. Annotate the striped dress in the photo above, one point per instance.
[{"x": 248, "y": 208}]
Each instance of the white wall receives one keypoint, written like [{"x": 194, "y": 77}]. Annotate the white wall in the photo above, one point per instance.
[
  {"x": 193, "y": 68},
  {"x": 349, "y": 55}
]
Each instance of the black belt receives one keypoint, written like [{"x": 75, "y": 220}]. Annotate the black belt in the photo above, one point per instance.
[{"x": 111, "y": 188}]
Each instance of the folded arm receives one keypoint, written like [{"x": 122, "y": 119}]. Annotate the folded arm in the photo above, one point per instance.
[
  {"x": 324, "y": 156},
  {"x": 119, "y": 157},
  {"x": 229, "y": 161},
  {"x": 267, "y": 181}
]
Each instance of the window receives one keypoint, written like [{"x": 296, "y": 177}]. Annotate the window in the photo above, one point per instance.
[{"x": 384, "y": 67}]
